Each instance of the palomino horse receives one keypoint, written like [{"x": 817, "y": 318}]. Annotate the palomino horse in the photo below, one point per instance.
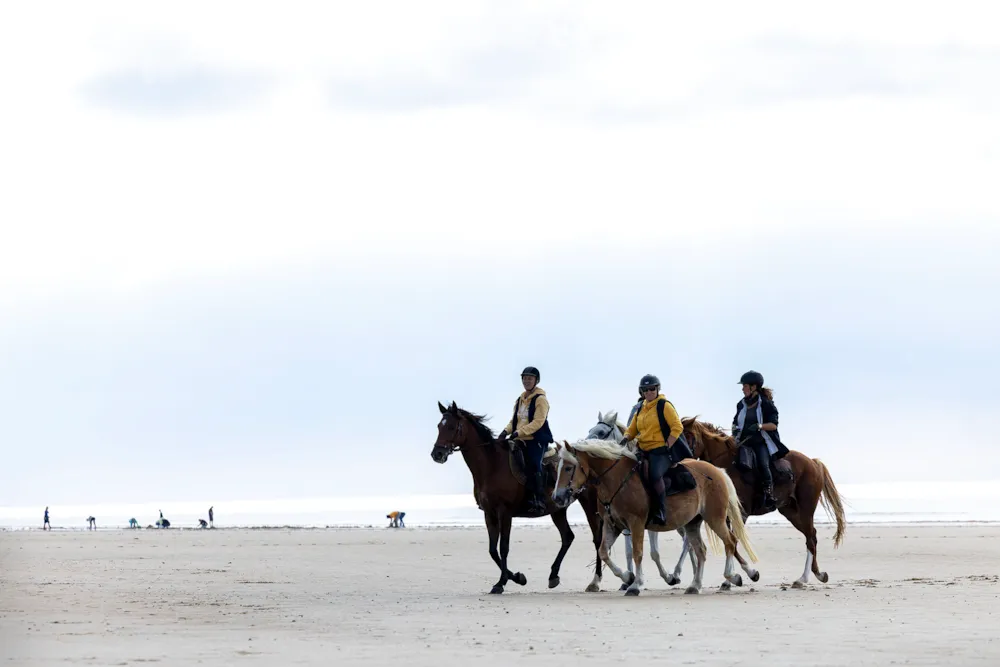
[
  {"x": 625, "y": 503},
  {"x": 609, "y": 428},
  {"x": 797, "y": 499},
  {"x": 501, "y": 496}
]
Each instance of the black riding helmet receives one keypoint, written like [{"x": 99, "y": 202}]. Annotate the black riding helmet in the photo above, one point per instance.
[
  {"x": 752, "y": 377},
  {"x": 648, "y": 381},
  {"x": 531, "y": 370}
]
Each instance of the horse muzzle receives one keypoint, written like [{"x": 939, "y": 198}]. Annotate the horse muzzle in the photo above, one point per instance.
[
  {"x": 562, "y": 497},
  {"x": 440, "y": 454}
]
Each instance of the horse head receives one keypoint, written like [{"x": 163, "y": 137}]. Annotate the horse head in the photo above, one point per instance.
[
  {"x": 606, "y": 428},
  {"x": 458, "y": 429},
  {"x": 570, "y": 477}
]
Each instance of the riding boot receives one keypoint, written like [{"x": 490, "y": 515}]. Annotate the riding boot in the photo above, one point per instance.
[
  {"x": 658, "y": 509},
  {"x": 536, "y": 501}
]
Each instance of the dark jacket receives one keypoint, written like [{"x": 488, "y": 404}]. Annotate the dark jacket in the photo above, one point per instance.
[{"x": 769, "y": 415}]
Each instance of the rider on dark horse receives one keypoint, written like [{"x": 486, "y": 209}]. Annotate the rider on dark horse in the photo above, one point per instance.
[
  {"x": 530, "y": 426},
  {"x": 756, "y": 425},
  {"x": 658, "y": 428}
]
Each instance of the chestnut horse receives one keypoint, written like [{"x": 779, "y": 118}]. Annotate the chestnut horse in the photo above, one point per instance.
[
  {"x": 612, "y": 471},
  {"x": 796, "y": 499},
  {"x": 501, "y": 496}
]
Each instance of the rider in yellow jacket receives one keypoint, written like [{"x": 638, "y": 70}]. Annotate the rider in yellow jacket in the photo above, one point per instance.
[{"x": 656, "y": 438}]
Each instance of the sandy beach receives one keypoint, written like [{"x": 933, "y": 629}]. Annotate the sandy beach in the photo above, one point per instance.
[{"x": 917, "y": 595}]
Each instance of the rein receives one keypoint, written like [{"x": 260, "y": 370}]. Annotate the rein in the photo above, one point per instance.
[{"x": 593, "y": 481}]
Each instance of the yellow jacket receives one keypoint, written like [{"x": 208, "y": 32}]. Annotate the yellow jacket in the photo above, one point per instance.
[
  {"x": 646, "y": 425},
  {"x": 525, "y": 430}
]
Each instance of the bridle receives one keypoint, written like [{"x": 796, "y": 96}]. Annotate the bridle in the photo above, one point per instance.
[{"x": 593, "y": 480}]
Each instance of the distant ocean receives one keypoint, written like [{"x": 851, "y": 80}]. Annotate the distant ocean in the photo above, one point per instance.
[{"x": 893, "y": 502}]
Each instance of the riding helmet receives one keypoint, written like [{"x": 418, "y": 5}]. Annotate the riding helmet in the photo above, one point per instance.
[
  {"x": 531, "y": 370},
  {"x": 648, "y": 381},
  {"x": 752, "y": 377}
]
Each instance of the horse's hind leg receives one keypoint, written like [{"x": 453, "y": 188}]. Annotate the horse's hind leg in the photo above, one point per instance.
[
  {"x": 723, "y": 528},
  {"x": 751, "y": 571},
  {"x": 698, "y": 552},
  {"x": 628, "y": 557},
  {"x": 675, "y": 578},
  {"x": 654, "y": 553},
  {"x": 804, "y": 524},
  {"x": 566, "y": 534}
]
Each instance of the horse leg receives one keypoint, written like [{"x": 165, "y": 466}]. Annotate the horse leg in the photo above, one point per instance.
[
  {"x": 699, "y": 553},
  {"x": 597, "y": 532},
  {"x": 654, "y": 553},
  {"x": 566, "y": 534},
  {"x": 493, "y": 528},
  {"x": 628, "y": 556},
  {"x": 675, "y": 577},
  {"x": 604, "y": 552},
  {"x": 636, "y": 528},
  {"x": 804, "y": 524}
]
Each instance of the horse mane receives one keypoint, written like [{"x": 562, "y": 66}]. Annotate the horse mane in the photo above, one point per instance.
[
  {"x": 602, "y": 449},
  {"x": 477, "y": 421},
  {"x": 708, "y": 430}
]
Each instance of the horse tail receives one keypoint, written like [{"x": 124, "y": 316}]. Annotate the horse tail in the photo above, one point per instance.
[
  {"x": 714, "y": 541},
  {"x": 832, "y": 502},
  {"x": 734, "y": 511}
]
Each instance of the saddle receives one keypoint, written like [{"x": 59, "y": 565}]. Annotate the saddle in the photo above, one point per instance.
[
  {"x": 676, "y": 480},
  {"x": 746, "y": 460},
  {"x": 549, "y": 459},
  {"x": 746, "y": 464}
]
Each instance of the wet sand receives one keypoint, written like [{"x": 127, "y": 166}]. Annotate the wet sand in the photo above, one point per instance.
[{"x": 916, "y": 595}]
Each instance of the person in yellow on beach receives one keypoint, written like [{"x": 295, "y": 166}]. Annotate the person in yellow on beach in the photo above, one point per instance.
[
  {"x": 395, "y": 519},
  {"x": 658, "y": 428}
]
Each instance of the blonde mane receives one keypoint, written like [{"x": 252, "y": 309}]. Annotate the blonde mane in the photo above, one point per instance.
[{"x": 601, "y": 449}]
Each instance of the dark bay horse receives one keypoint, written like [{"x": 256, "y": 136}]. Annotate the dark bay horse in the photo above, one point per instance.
[
  {"x": 796, "y": 499},
  {"x": 501, "y": 496}
]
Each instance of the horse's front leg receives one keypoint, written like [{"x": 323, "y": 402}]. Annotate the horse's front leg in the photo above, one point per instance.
[
  {"x": 636, "y": 528},
  {"x": 493, "y": 528},
  {"x": 505, "y": 573},
  {"x": 611, "y": 533}
]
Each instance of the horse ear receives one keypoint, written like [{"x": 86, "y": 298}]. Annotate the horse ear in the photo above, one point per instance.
[
  {"x": 600, "y": 417},
  {"x": 612, "y": 417},
  {"x": 454, "y": 408},
  {"x": 442, "y": 408}
]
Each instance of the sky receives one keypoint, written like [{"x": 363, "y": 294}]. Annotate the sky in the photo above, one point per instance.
[{"x": 247, "y": 248}]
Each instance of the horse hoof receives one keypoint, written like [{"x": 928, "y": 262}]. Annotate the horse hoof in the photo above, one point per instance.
[
  {"x": 521, "y": 580},
  {"x": 672, "y": 580},
  {"x": 754, "y": 575},
  {"x": 593, "y": 588},
  {"x": 798, "y": 584},
  {"x": 496, "y": 590},
  {"x": 691, "y": 590},
  {"x": 553, "y": 582},
  {"x": 823, "y": 577},
  {"x": 725, "y": 586},
  {"x": 736, "y": 579},
  {"x": 629, "y": 578},
  {"x": 631, "y": 592},
  {"x": 623, "y": 587}
]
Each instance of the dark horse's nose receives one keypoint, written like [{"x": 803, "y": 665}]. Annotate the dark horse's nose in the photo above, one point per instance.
[{"x": 438, "y": 456}]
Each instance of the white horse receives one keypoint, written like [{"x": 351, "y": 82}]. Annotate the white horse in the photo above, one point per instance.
[{"x": 609, "y": 428}]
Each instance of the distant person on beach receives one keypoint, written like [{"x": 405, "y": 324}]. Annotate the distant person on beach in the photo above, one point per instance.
[
  {"x": 211, "y": 516},
  {"x": 91, "y": 523},
  {"x": 395, "y": 519},
  {"x": 132, "y": 523},
  {"x": 45, "y": 524},
  {"x": 202, "y": 523}
]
